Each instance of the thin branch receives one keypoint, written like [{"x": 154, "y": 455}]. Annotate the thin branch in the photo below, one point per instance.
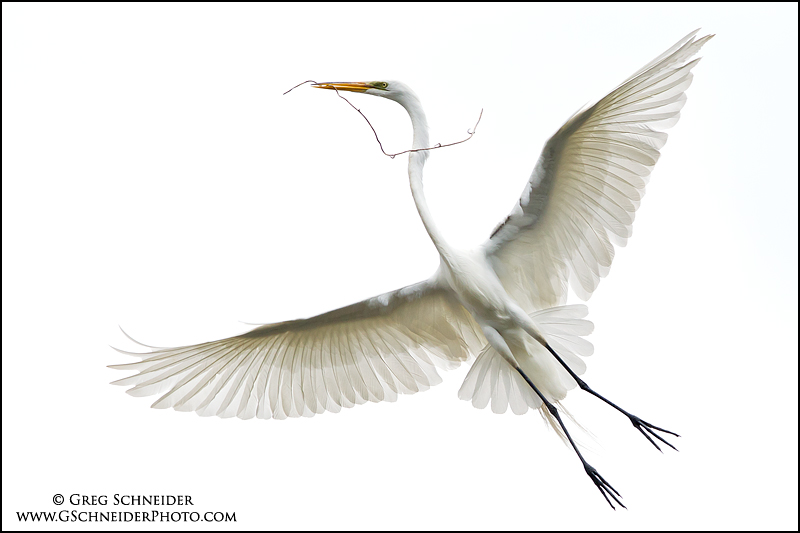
[
  {"x": 298, "y": 85},
  {"x": 438, "y": 145}
]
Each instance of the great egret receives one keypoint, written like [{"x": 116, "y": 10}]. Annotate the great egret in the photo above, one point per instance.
[{"x": 503, "y": 300}]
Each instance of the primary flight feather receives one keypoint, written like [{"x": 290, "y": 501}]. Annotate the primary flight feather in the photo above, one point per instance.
[{"x": 503, "y": 301}]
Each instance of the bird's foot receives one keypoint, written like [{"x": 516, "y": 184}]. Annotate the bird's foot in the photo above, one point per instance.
[
  {"x": 603, "y": 486},
  {"x": 647, "y": 429}
]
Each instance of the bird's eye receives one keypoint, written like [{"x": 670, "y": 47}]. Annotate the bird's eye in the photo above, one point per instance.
[{"x": 381, "y": 85}]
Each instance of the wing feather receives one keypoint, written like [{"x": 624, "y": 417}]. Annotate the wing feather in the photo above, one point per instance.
[
  {"x": 588, "y": 183},
  {"x": 369, "y": 351}
]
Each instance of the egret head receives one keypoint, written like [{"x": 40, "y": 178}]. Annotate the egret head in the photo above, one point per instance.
[{"x": 400, "y": 93}]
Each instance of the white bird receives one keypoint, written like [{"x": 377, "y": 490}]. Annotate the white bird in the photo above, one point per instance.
[{"x": 503, "y": 300}]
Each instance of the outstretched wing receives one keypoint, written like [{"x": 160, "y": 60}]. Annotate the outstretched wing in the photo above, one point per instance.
[
  {"x": 588, "y": 182},
  {"x": 368, "y": 351}
]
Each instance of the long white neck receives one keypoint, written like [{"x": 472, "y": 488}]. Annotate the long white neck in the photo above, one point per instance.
[{"x": 416, "y": 162}]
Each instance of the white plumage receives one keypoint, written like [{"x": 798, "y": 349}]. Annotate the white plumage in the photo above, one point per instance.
[
  {"x": 503, "y": 301},
  {"x": 369, "y": 351},
  {"x": 491, "y": 378},
  {"x": 591, "y": 177}
]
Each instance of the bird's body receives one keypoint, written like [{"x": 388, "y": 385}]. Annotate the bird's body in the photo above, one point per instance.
[
  {"x": 503, "y": 301},
  {"x": 471, "y": 278}
]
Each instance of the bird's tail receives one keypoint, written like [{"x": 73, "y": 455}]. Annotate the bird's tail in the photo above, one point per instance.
[{"x": 493, "y": 378}]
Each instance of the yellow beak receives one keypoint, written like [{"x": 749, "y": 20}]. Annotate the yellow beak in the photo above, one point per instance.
[{"x": 356, "y": 87}]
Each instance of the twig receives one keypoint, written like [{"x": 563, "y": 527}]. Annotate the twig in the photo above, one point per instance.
[
  {"x": 298, "y": 85},
  {"x": 438, "y": 145}
]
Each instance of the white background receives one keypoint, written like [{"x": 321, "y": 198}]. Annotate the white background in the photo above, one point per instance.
[{"x": 154, "y": 177}]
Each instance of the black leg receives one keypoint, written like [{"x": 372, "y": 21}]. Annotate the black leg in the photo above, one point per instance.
[
  {"x": 602, "y": 485},
  {"x": 645, "y": 428}
]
